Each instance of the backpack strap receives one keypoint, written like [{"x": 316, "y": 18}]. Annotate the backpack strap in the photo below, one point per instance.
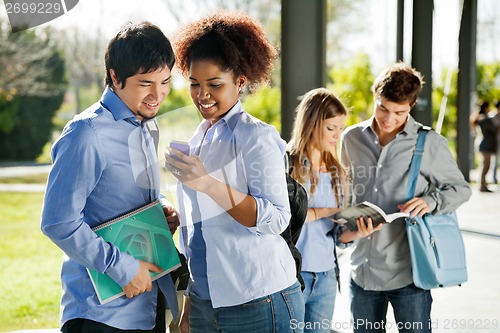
[
  {"x": 288, "y": 162},
  {"x": 416, "y": 160}
]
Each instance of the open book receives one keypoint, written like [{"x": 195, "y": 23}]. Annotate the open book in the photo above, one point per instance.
[
  {"x": 366, "y": 209},
  {"x": 143, "y": 233}
]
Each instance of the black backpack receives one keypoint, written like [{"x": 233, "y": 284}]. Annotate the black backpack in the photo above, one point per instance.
[{"x": 297, "y": 196}]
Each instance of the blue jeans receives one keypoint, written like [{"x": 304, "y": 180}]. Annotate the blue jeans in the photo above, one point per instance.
[
  {"x": 412, "y": 309},
  {"x": 281, "y": 312},
  {"x": 319, "y": 296}
]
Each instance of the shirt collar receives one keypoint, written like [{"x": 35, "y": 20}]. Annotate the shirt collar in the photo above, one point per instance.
[
  {"x": 116, "y": 106},
  {"x": 230, "y": 119},
  {"x": 411, "y": 126}
]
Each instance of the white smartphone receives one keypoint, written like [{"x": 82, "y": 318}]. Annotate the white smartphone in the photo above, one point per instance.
[{"x": 181, "y": 146}]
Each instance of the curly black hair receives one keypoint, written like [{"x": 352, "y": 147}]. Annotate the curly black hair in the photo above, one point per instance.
[{"x": 233, "y": 40}]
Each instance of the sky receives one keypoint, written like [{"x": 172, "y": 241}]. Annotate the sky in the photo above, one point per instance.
[
  {"x": 381, "y": 37},
  {"x": 378, "y": 40}
]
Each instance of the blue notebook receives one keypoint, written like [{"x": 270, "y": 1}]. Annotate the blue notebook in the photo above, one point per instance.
[{"x": 142, "y": 233}]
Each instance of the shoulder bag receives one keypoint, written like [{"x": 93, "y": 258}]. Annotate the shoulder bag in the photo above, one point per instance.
[{"x": 436, "y": 243}]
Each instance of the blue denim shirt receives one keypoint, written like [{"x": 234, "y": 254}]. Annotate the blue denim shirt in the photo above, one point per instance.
[
  {"x": 241, "y": 263},
  {"x": 104, "y": 165}
]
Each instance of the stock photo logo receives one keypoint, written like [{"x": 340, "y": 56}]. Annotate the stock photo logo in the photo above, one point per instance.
[{"x": 26, "y": 14}]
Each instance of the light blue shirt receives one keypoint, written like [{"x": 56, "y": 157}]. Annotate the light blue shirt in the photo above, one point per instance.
[
  {"x": 104, "y": 165},
  {"x": 318, "y": 238},
  {"x": 242, "y": 263}
]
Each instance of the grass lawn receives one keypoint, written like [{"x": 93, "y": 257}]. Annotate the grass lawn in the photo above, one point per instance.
[{"x": 29, "y": 266}]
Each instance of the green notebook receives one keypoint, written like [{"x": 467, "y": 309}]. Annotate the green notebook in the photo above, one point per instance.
[{"x": 142, "y": 233}]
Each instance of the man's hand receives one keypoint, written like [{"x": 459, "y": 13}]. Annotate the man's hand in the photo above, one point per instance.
[
  {"x": 172, "y": 217},
  {"x": 142, "y": 280},
  {"x": 415, "y": 206},
  {"x": 364, "y": 230}
]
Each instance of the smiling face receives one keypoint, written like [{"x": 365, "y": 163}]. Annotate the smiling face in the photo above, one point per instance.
[
  {"x": 143, "y": 93},
  {"x": 213, "y": 91},
  {"x": 330, "y": 134},
  {"x": 390, "y": 117}
]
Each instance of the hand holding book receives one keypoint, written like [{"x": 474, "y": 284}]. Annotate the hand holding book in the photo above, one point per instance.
[
  {"x": 366, "y": 209},
  {"x": 145, "y": 234},
  {"x": 142, "y": 280}
]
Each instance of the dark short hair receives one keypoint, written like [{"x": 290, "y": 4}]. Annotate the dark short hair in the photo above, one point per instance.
[
  {"x": 399, "y": 83},
  {"x": 137, "y": 48},
  {"x": 483, "y": 107}
]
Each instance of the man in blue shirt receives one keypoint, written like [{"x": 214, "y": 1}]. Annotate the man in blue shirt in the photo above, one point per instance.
[{"x": 105, "y": 165}]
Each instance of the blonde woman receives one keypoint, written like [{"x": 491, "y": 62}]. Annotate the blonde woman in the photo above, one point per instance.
[{"x": 318, "y": 125}]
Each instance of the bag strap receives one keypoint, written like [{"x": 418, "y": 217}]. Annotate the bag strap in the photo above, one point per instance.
[
  {"x": 288, "y": 162},
  {"x": 416, "y": 160}
]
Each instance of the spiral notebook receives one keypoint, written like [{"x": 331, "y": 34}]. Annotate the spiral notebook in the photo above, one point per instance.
[{"x": 142, "y": 233}]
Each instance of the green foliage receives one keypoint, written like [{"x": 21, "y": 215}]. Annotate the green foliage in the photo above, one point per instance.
[
  {"x": 488, "y": 89},
  {"x": 265, "y": 104},
  {"x": 35, "y": 89},
  {"x": 176, "y": 99},
  {"x": 488, "y": 78},
  {"x": 86, "y": 95},
  {"x": 177, "y": 119},
  {"x": 343, "y": 22},
  {"x": 352, "y": 84},
  {"x": 8, "y": 108}
]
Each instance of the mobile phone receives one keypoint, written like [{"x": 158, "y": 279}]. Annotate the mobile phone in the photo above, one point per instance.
[{"x": 181, "y": 146}]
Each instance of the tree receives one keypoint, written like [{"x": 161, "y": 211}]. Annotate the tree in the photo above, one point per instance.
[
  {"x": 265, "y": 104},
  {"x": 85, "y": 56},
  {"x": 352, "y": 84},
  {"x": 487, "y": 88},
  {"x": 343, "y": 23},
  {"x": 488, "y": 78},
  {"x": 32, "y": 87}
]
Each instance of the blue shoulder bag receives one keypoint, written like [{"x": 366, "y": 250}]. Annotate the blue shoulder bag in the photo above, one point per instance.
[{"x": 436, "y": 244}]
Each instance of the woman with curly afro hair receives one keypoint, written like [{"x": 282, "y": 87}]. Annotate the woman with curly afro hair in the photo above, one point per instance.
[{"x": 232, "y": 188}]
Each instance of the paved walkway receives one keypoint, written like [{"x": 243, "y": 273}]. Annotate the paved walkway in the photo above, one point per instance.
[
  {"x": 473, "y": 307},
  {"x": 7, "y": 171}
]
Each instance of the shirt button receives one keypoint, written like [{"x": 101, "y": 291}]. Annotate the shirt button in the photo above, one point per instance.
[
  {"x": 366, "y": 260},
  {"x": 380, "y": 165},
  {"x": 375, "y": 189}
]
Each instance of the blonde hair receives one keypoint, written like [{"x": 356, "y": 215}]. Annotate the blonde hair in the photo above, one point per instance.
[{"x": 316, "y": 106}]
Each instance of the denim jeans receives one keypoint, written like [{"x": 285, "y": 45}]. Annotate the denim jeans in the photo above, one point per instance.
[
  {"x": 281, "y": 312},
  {"x": 319, "y": 295},
  {"x": 412, "y": 309}
]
